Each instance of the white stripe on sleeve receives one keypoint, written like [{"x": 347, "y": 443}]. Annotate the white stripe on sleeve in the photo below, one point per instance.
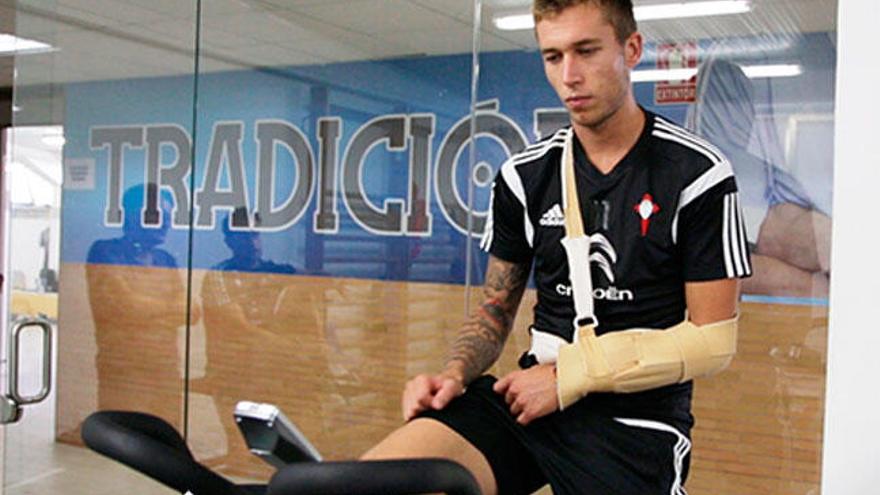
[
  {"x": 488, "y": 233},
  {"x": 710, "y": 178},
  {"x": 743, "y": 241},
  {"x": 725, "y": 237},
  {"x": 734, "y": 243},
  {"x": 734, "y": 247},
  {"x": 514, "y": 182}
]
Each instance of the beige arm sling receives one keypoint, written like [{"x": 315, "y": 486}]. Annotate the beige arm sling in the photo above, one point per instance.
[{"x": 629, "y": 360}]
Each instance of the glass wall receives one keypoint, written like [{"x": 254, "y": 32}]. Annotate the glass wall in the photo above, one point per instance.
[
  {"x": 278, "y": 201},
  {"x": 329, "y": 242},
  {"x": 92, "y": 71}
]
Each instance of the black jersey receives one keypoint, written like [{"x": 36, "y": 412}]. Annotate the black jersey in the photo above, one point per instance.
[{"x": 667, "y": 214}]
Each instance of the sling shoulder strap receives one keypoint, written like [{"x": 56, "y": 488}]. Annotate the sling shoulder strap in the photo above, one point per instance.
[{"x": 577, "y": 245}]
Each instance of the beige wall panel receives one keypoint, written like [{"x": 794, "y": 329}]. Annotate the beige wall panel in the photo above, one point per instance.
[
  {"x": 334, "y": 354},
  {"x": 119, "y": 334},
  {"x": 759, "y": 424}
]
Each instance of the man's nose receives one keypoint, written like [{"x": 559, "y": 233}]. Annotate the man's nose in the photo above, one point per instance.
[{"x": 571, "y": 71}]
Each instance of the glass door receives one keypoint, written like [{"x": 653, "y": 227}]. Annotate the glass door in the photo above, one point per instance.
[{"x": 96, "y": 248}]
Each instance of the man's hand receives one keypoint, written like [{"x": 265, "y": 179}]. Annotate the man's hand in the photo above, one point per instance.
[
  {"x": 478, "y": 343},
  {"x": 530, "y": 393},
  {"x": 429, "y": 392}
]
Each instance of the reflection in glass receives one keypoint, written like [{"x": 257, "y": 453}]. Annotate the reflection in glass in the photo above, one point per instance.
[
  {"x": 242, "y": 298},
  {"x": 138, "y": 301},
  {"x": 335, "y": 129},
  {"x": 789, "y": 233}
]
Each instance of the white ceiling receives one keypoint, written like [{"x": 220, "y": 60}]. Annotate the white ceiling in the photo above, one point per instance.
[{"x": 112, "y": 39}]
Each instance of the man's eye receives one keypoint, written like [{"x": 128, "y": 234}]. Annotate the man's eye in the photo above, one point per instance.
[
  {"x": 551, "y": 58},
  {"x": 586, "y": 51}
]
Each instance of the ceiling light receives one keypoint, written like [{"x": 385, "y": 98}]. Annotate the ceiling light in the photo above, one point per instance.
[
  {"x": 53, "y": 140},
  {"x": 10, "y": 44},
  {"x": 751, "y": 71},
  {"x": 691, "y": 9},
  {"x": 650, "y": 75},
  {"x": 515, "y": 22},
  {"x": 758, "y": 71}
]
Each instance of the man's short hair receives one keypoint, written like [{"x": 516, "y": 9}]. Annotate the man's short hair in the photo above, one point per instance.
[{"x": 618, "y": 13}]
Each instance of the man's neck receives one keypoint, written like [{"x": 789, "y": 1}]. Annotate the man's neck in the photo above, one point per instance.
[
  {"x": 246, "y": 261},
  {"x": 607, "y": 143}
]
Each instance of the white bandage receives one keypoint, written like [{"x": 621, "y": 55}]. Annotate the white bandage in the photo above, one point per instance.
[{"x": 641, "y": 359}]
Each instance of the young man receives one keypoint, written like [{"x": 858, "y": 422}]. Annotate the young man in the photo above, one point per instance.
[{"x": 633, "y": 228}]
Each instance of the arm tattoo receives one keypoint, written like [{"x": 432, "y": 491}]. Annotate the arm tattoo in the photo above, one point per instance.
[{"x": 482, "y": 337}]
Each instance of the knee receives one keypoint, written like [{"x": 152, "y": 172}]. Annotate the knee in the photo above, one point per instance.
[{"x": 424, "y": 437}]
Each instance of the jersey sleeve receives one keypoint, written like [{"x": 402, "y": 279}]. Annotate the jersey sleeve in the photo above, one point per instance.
[
  {"x": 711, "y": 232},
  {"x": 505, "y": 235}
]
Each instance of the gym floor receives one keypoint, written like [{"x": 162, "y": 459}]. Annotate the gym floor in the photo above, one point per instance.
[{"x": 35, "y": 464}]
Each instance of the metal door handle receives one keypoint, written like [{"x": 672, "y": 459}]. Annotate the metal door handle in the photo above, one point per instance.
[{"x": 14, "y": 351}]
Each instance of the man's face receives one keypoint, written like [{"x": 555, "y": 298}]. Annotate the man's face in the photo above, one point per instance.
[
  {"x": 152, "y": 236},
  {"x": 585, "y": 64}
]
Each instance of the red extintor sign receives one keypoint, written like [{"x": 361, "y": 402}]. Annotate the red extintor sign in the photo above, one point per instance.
[{"x": 677, "y": 58}]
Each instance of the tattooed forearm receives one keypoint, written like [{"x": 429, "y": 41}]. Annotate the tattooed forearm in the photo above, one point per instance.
[
  {"x": 492, "y": 313},
  {"x": 480, "y": 340},
  {"x": 503, "y": 277},
  {"x": 482, "y": 337}
]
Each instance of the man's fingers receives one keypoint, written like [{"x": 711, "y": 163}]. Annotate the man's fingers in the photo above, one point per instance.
[
  {"x": 409, "y": 412},
  {"x": 411, "y": 407},
  {"x": 516, "y": 408},
  {"x": 436, "y": 383},
  {"x": 407, "y": 407},
  {"x": 417, "y": 396},
  {"x": 418, "y": 403},
  {"x": 428, "y": 392},
  {"x": 502, "y": 385},
  {"x": 449, "y": 390},
  {"x": 505, "y": 387},
  {"x": 524, "y": 418},
  {"x": 511, "y": 396},
  {"x": 423, "y": 402}
]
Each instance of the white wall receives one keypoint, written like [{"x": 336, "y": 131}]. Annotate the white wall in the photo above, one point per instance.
[
  {"x": 26, "y": 255},
  {"x": 851, "y": 456}
]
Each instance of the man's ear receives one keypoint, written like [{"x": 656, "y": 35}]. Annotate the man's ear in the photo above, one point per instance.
[{"x": 632, "y": 49}]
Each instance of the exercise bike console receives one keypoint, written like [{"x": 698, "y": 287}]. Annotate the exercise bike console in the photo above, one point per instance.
[{"x": 271, "y": 436}]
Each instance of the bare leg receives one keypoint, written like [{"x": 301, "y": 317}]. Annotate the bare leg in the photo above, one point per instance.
[
  {"x": 797, "y": 236},
  {"x": 430, "y": 438},
  {"x": 774, "y": 277}
]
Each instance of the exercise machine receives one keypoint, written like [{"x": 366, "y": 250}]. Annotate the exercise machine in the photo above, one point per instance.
[{"x": 150, "y": 445}]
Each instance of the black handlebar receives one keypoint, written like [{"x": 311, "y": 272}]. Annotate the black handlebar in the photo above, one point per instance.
[
  {"x": 151, "y": 446},
  {"x": 399, "y": 477}
]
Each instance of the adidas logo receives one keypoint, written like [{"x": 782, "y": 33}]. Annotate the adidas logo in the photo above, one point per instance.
[{"x": 553, "y": 217}]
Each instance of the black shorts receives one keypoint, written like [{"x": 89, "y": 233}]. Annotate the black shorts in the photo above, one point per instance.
[{"x": 579, "y": 451}]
